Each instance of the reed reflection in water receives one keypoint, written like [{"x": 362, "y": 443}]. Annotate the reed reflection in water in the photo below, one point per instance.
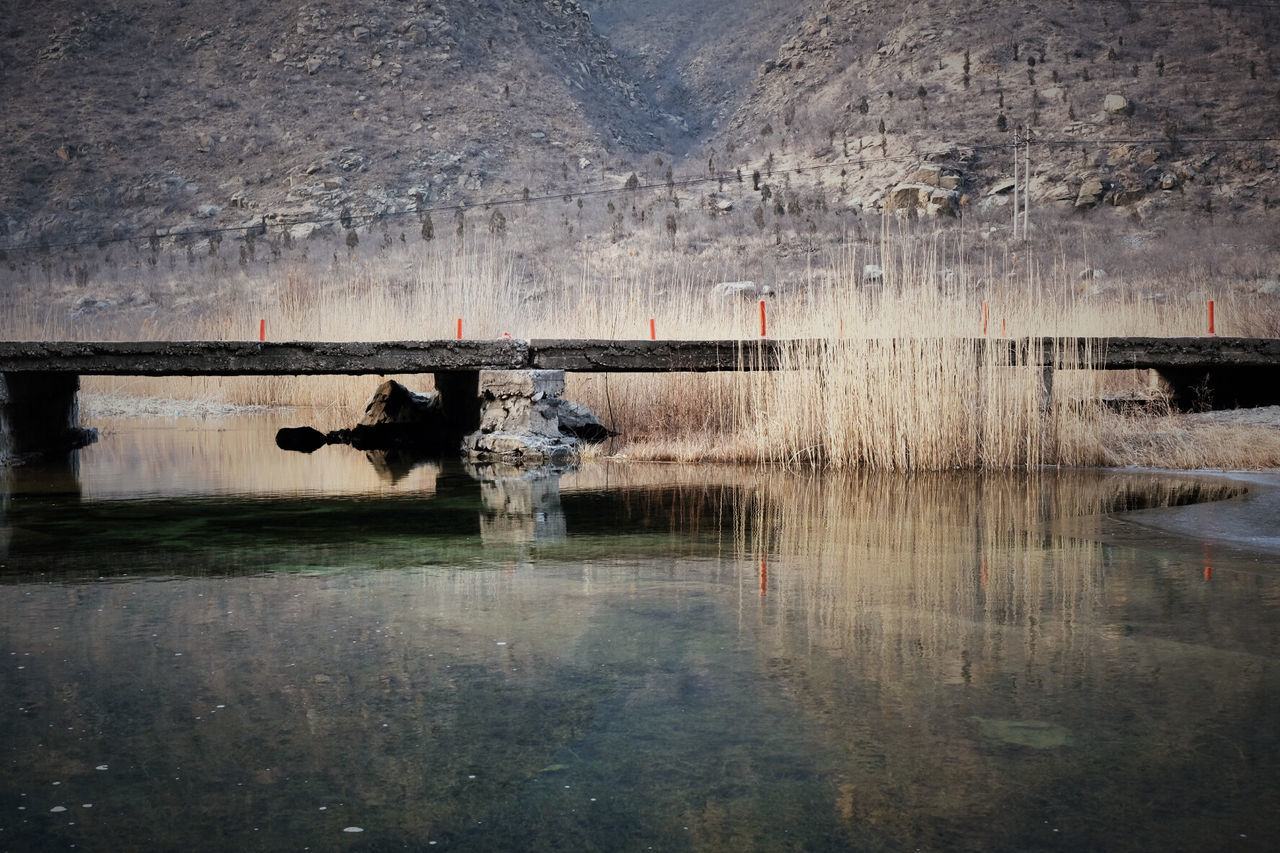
[
  {"x": 704, "y": 659},
  {"x": 982, "y": 658}
]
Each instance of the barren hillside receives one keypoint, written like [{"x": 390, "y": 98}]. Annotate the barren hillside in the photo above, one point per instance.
[
  {"x": 151, "y": 117},
  {"x": 127, "y": 116},
  {"x": 697, "y": 62},
  {"x": 1141, "y": 105}
]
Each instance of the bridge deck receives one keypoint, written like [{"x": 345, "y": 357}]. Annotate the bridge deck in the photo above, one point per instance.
[{"x": 248, "y": 358}]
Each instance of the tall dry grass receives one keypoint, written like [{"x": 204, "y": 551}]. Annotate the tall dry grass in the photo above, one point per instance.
[{"x": 889, "y": 380}]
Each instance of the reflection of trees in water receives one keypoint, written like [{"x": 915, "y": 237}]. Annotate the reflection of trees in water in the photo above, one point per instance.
[{"x": 917, "y": 619}]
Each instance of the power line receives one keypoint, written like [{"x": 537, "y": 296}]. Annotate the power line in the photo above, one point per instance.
[
  {"x": 1206, "y": 4},
  {"x": 350, "y": 220}
]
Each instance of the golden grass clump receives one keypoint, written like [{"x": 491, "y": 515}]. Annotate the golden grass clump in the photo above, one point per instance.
[{"x": 887, "y": 378}]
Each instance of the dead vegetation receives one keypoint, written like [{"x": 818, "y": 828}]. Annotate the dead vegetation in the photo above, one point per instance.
[{"x": 902, "y": 391}]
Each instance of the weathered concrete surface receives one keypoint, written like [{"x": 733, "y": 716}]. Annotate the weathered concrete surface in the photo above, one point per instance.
[
  {"x": 231, "y": 358},
  {"x": 518, "y": 421},
  {"x": 603, "y": 356},
  {"x": 253, "y": 358},
  {"x": 1126, "y": 353},
  {"x": 1131, "y": 353}
]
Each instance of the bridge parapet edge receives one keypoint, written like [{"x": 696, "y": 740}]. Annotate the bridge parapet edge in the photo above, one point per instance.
[{"x": 256, "y": 358}]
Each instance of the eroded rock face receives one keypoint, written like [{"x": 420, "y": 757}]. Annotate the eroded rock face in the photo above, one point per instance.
[
  {"x": 914, "y": 199},
  {"x": 392, "y": 403},
  {"x": 1117, "y": 105},
  {"x": 518, "y": 421},
  {"x": 1090, "y": 193},
  {"x": 934, "y": 175},
  {"x": 579, "y": 421}
]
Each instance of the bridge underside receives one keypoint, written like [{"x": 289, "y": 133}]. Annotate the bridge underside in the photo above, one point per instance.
[
  {"x": 38, "y": 415},
  {"x": 1199, "y": 389}
]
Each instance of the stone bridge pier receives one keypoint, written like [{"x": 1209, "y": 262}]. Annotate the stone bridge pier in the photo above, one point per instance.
[{"x": 39, "y": 416}]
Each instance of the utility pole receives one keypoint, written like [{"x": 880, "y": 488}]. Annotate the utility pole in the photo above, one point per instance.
[
  {"x": 1015, "y": 183},
  {"x": 1026, "y": 195}
]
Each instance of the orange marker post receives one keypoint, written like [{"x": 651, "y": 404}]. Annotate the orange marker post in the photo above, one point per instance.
[
  {"x": 459, "y": 328},
  {"x": 653, "y": 330},
  {"x": 1002, "y": 328},
  {"x": 763, "y": 328},
  {"x": 262, "y": 329},
  {"x": 1212, "y": 333},
  {"x": 984, "y": 319}
]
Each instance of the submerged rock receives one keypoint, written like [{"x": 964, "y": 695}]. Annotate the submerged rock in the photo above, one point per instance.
[{"x": 1036, "y": 734}]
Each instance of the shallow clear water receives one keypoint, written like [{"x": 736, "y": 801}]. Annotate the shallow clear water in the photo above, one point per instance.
[{"x": 208, "y": 644}]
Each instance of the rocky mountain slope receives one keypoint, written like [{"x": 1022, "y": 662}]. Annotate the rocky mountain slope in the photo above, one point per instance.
[
  {"x": 153, "y": 117},
  {"x": 1142, "y": 105},
  {"x": 122, "y": 117},
  {"x": 697, "y": 62}
]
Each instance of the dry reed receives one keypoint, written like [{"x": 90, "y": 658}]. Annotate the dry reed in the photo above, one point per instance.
[{"x": 891, "y": 380}]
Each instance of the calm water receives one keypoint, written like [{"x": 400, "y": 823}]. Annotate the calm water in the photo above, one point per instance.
[{"x": 209, "y": 644}]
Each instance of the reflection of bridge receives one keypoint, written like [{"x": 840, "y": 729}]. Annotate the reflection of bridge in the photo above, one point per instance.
[{"x": 41, "y": 378}]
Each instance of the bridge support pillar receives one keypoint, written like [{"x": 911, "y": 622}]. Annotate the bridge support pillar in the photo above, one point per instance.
[
  {"x": 1046, "y": 386},
  {"x": 1197, "y": 389},
  {"x": 39, "y": 416},
  {"x": 460, "y": 396},
  {"x": 520, "y": 419}
]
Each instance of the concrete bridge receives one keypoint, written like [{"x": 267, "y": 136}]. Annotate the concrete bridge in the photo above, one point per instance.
[{"x": 41, "y": 378}]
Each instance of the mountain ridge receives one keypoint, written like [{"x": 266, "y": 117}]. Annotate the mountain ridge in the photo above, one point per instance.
[{"x": 139, "y": 119}]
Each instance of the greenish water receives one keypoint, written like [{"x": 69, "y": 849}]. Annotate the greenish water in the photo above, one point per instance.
[{"x": 208, "y": 645}]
